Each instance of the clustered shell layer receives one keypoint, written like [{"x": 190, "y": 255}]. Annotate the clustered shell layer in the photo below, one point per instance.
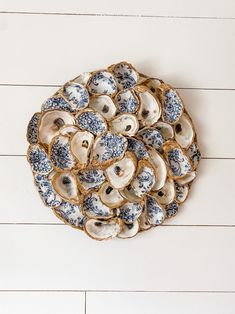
[{"x": 113, "y": 152}]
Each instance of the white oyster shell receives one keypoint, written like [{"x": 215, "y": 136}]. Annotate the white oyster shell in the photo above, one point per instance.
[
  {"x": 150, "y": 108},
  {"x": 166, "y": 194},
  {"x": 82, "y": 78},
  {"x": 102, "y": 82},
  {"x": 194, "y": 154},
  {"x": 102, "y": 230},
  {"x": 184, "y": 132},
  {"x": 189, "y": 177},
  {"x": 154, "y": 212},
  {"x": 104, "y": 106},
  {"x": 129, "y": 194},
  {"x": 91, "y": 121},
  {"x": 81, "y": 144},
  {"x": 108, "y": 147},
  {"x": 68, "y": 130},
  {"x": 94, "y": 208},
  {"x": 60, "y": 153},
  {"x": 165, "y": 129},
  {"x": 121, "y": 172},
  {"x": 125, "y": 124},
  {"x": 50, "y": 124},
  {"x": 159, "y": 167},
  {"x": 65, "y": 184},
  {"x": 145, "y": 178},
  {"x": 110, "y": 196},
  {"x": 129, "y": 230}
]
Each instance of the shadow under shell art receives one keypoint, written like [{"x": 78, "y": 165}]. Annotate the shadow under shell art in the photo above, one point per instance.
[{"x": 113, "y": 152}]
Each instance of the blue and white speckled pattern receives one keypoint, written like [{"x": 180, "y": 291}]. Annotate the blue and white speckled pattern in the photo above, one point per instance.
[
  {"x": 152, "y": 138},
  {"x": 71, "y": 214},
  {"x": 77, "y": 95},
  {"x": 102, "y": 82},
  {"x": 38, "y": 160},
  {"x": 155, "y": 213},
  {"x": 91, "y": 178},
  {"x": 92, "y": 122},
  {"x": 56, "y": 103},
  {"x": 178, "y": 163},
  {"x": 60, "y": 153},
  {"x": 129, "y": 212},
  {"x": 127, "y": 102},
  {"x": 32, "y": 130},
  {"x": 94, "y": 208},
  {"x": 172, "y": 107},
  {"x": 125, "y": 75}
]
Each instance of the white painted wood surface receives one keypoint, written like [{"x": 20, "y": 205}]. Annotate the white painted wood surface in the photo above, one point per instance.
[{"x": 186, "y": 266}]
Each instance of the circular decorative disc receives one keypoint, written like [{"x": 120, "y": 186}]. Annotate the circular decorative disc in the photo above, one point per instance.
[{"x": 113, "y": 152}]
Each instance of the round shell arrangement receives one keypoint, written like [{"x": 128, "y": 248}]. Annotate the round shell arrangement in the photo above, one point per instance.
[{"x": 113, "y": 152}]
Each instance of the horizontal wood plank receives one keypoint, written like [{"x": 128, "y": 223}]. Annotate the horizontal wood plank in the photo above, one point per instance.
[
  {"x": 165, "y": 259},
  {"x": 210, "y": 201},
  {"x": 167, "y": 303},
  {"x": 45, "y": 49},
  {"x": 207, "y": 8},
  {"x": 207, "y": 109},
  {"x": 42, "y": 302}
]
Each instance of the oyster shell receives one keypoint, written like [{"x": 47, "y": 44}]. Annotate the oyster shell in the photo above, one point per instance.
[
  {"x": 80, "y": 145},
  {"x": 154, "y": 212},
  {"x": 90, "y": 179},
  {"x": 171, "y": 209},
  {"x": 150, "y": 108},
  {"x": 50, "y": 124},
  {"x": 127, "y": 101},
  {"x": 32, "y": 129},
  {"x": 194, "y": 154},
  {"x": 102, "y": 230},
  {"x": 125, "y": 124},
  {"x": 165, "y": 129},
  {"x": 108, "y": 147},
  {"x": 102, "y": 82},
  {"x": 94, "y": 208},
  {"x": 39, "y": 162},
  {"x": 181, "y": 192},
  {"x": 125, "y": 74},
  {"x": 153, "y": 84},
  {"x": 83, "y": 78},
  {"x": 77, "y": 95},
  {"x": 172, "y": 105},
  {"x": 129, "y": 194},
  {"x": 178, "y": 161},
  {"x": 46, "y": 191},
  {"x": 129, "y": 230},
  {"x": 130, "y": 212},
  {"x": 144, "y": 179},
  {"x": 71, "y": 214},
  {"x": 91, "y": 121},
  {"x": 187, "y": 178},
  {"x": 159, "y": 167},
  {"x": 143, "y": 221},
  {"x": 60, "y": 153},
  {"x": 166, "y": 194},
  {"x": 68, "y": 130},
  {"x": 104, "y": 106},
  {"x": 138, "y": 148},
  {"x": 56, "y": 102},
  {"x": 151, "y": 137},
  {"x": 184, "y": 132},
  {"x": 65, "y": 184},
  {"x": 110, "y": 196},
  {"x": 121, "y": 172}
]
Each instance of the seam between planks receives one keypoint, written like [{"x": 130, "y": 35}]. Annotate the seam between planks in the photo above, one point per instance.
[
  {"x": 119, "y": 15},
  {"x": 118, "y": 291}
]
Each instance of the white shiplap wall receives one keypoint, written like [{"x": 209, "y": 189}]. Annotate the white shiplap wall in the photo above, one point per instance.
[{"x": 186, "y": 266}]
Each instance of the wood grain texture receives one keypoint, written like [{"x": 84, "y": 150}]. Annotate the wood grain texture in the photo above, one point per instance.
[
  {"x": 42, "y": 302},
  {"x": 165, "y": 259},
  {"x": 53, "y": 49},
  {"x": 164, "y": 303},
  {"x": 206, "y": 204},
  {"x": 183, "y": 8},
  {"x": 206, "y": 108}
]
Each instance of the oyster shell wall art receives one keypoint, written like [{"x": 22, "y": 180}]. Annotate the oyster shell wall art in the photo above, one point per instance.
[{"x": 113, "y": 152}]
